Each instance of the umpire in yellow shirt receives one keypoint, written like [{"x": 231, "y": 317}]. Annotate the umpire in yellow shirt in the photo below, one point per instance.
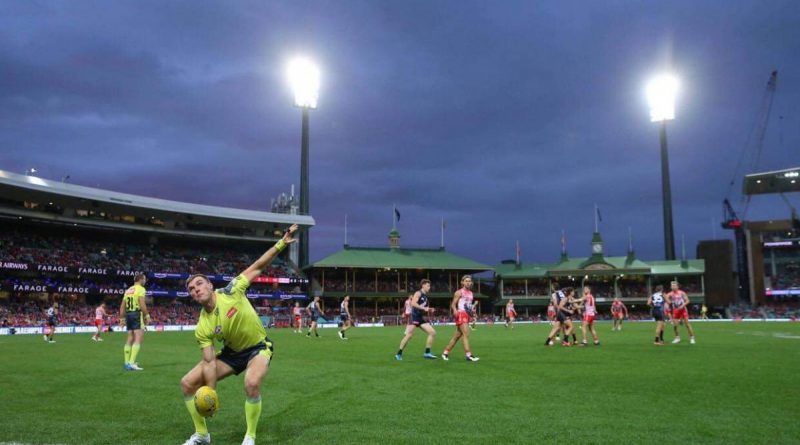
[{"x": 228, "y": 317}]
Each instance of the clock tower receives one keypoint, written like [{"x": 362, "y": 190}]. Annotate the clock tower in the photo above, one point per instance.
[{"x": 597, "y": 245}]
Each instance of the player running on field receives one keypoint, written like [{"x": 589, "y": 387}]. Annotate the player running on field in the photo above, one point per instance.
[
  {"x": 297, "y": 312},
  {"x": 313, "y": 310},
  {"x": 461, "y": 307},
  {"x": 619, "y": 312},
  {"x": 419, "y": 308},
  {"x": 99, "y": 316},
  {"x": 344, "y": 315},
  {"x": 133, "y": 312},
  {"x": 657, "y": 303},
  {"x": 228, "y": 317},
  {"x": 589, "y": 313},
  {"x": 679, "y": 302},
  {"x": 511, "y": 314}
]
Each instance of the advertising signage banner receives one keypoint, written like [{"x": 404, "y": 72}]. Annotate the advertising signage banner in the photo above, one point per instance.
[
  {"x": 99, "y": 271},
  {"x": 77, "y": 289}
]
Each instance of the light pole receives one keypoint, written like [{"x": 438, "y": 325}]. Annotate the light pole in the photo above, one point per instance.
[
  {"x": 661, "y": 93},
  {"x": 304, "y": 78}
]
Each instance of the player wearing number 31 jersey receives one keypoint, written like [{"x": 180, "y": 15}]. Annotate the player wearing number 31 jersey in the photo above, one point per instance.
[{"x": 133, "y": 313}]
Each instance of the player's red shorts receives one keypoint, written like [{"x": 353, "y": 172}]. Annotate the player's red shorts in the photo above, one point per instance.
[
  {"x": 98, "y": 323},
  {"x": 618, "y": 315},
  {"x": 297, "y": 319},
  {"x": 511, "y": 315},
  {"x": 680, "y": 313},
  {"x": 462, "y": 317},
  {"x": 588, "y": 318}
]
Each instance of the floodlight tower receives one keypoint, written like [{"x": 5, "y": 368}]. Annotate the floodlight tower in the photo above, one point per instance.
[
  {"x": 661, "y": 92},
  {"x": 304, "y": 79}
]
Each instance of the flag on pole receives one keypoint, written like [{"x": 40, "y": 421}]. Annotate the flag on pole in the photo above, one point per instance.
[
  {"x": 597, "y": 219},
  {"x": 397, "y": 214},
  {"x": 444, "y": 225}
]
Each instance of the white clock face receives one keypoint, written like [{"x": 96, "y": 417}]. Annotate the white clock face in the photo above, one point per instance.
[{"x": 597, "y": 248}]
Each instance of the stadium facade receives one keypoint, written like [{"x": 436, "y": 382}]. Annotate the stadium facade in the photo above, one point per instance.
[
  {"x": 61, "y": 240},
  {"x": 625, "y": 277},
  {"x": 374, "y": 276}
]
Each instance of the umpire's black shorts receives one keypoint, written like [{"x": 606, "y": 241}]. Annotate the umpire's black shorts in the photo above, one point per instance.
[
  {"x": 238, "y": 360},
  {"x": 133, "y": 320}
]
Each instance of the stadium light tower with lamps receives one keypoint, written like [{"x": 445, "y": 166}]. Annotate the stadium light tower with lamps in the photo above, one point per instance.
[
  {"x": 304, "y": 79},
  {"x": 661, "y": 92}
]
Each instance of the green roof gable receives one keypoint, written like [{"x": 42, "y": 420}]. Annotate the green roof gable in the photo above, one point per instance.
[
  {"x": 620, "y": 264},
  {"x": 399, "y": 258}
]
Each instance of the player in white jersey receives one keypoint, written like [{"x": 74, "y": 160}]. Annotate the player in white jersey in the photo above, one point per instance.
[
  {"x": 589, "y": 313},
  {"x": 679, "y": 302},
  {"x": 461, "y": 307},
  {"x": 407, "y": 308},
  {"x": 511, "y": 314},
  {"x": 99, "y": 316},
  {"x": 344, "y": 315},
  {"x": 297, "y": 313}
]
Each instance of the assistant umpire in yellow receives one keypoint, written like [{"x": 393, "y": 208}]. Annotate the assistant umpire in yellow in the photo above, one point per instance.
[{"x": 228, "y": 317}]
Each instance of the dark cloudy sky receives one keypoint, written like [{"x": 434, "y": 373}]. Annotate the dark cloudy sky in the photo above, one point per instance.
[{"x": 508, "y": 119}]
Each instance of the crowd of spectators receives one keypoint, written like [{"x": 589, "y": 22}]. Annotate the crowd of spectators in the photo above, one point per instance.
[
  {"x": 787, "y": 277},
  {"x": 85, "y": 250},
  {"x": 387, "y": 284},
  {"x": 767, "y": 311}
]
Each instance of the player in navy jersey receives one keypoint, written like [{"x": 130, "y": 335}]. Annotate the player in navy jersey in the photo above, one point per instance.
[
  {"x": 313, "y": 310},
  {"x": 656, "y": 303},
  {"x": 419, "y": 309},
  {"x": 52, "y": 322},
  {"x": 344, "y": 315},
  {"x": 560, "y": 300}
]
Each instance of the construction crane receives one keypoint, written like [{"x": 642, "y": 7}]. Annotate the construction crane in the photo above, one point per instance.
[{"x": 731, "y": 220}]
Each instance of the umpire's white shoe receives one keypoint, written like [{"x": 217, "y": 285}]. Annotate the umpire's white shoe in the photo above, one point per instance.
[
  {"x": 248, "y": 440},
  {"x": 135, "y": 367},
  {"x": 198, "y": 439}
]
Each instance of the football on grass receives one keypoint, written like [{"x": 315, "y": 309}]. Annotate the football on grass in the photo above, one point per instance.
[{"x": 206, "y": 401}]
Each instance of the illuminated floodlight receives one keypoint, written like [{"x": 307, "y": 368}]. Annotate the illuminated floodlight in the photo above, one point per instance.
[
  {"x": 304, "y": 79},
  {"x": 661, "y": 92}
]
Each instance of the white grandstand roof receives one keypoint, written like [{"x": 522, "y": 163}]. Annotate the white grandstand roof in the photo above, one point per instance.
[{"x": 23, "y": 187}]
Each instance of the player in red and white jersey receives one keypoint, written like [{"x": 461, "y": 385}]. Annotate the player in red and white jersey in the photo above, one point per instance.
[
  {"x": 297, "y": 312},
  {"x": 511, "y": 314},
  {"x": 99, "y": 316},
  {"x": 461, "y": 307},
  {"x": 407, "y": 308},
  {"x": 619, "y": 312},
  {"x": 589, "y": 313},
  {"x": 679, "y": 302}
]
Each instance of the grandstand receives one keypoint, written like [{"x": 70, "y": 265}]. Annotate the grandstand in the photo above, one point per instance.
[
  {"x": 379, "y": 279},
  {"x": 81, "y": 245},
  {"x": 624, "y": 277}
]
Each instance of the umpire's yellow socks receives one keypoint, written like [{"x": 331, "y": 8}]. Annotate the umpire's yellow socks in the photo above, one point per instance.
[
  {"x": 199, "y": 421},
  {"x": 252, "y": 411}
]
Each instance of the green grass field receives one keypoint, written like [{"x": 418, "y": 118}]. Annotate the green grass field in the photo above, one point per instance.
[{"x": 736, "y": 385}]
